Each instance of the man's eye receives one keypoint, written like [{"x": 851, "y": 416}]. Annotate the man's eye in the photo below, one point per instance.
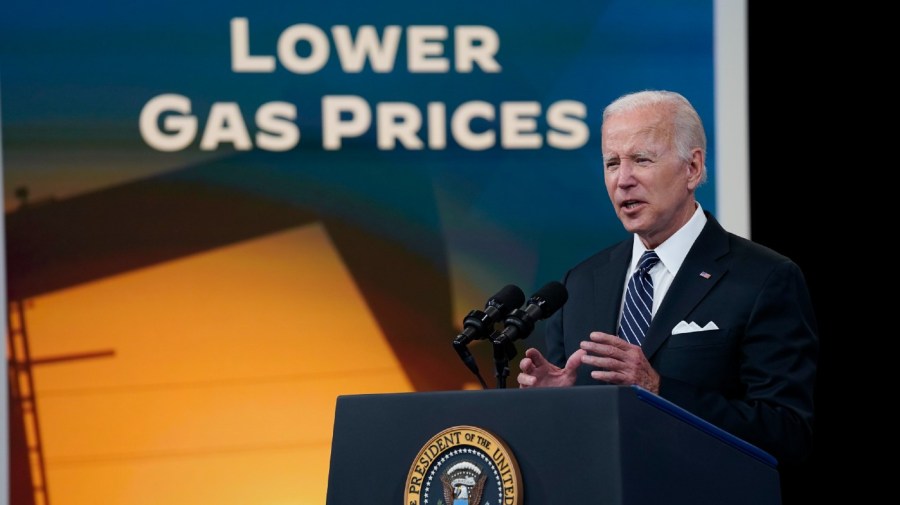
[{"x": 611, "y": 166}]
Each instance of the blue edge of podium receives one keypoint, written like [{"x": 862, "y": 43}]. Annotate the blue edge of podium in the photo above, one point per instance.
[{"x": 709, "y": 428}]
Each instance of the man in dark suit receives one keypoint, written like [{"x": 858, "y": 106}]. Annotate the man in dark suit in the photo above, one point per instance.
[{"x": 732, "y": 335}]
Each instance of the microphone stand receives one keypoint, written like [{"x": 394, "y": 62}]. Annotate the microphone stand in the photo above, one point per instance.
[{"x": 503, "y": 352}]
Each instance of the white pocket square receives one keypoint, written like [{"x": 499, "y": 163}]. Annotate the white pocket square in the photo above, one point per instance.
[{"x": 685, "y": 327}]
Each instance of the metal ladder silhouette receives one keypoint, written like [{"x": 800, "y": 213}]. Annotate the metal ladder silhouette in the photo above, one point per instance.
[
  {"x": 21, "y": 382},
  {"x": 23, "y": 400}
]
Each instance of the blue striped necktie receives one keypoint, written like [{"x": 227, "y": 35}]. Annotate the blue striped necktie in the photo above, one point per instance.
[{"x": 638, "y": 301}]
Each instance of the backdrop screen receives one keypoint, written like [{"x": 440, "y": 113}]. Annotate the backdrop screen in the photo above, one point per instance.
[{"x": 222, "y": 215}]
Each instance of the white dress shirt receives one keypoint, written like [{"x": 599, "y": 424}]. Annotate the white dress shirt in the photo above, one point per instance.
[{"x": 671, "y": 255}]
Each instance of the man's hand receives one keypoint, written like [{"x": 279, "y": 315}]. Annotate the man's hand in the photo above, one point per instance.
[
  {"x": 538, "y": 372},
  {"x": 619, "y": 362}
]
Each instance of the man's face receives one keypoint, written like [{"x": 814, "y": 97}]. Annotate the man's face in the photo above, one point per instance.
[{"x": 650, "y": 187}]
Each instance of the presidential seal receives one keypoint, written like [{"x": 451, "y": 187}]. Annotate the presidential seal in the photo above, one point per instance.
[{"x": 464, "y": 465}]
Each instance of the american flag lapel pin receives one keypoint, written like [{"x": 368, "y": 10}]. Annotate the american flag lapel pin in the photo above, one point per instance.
[{"x": 705, "y": 275}]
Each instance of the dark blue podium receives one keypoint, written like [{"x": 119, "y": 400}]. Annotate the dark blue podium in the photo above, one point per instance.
[{"x": 589, "y": 445}]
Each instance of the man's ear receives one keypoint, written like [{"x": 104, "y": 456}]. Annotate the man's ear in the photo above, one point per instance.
[{"x": 695, "y": 168}]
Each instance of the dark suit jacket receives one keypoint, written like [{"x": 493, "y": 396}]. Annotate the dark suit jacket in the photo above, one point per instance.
[{"x": 754, "y": 376}]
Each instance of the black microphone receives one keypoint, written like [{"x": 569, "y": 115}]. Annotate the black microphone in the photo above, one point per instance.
[
  {"x": 541, "y": 305},
  {"x": 480, "y": 325}
]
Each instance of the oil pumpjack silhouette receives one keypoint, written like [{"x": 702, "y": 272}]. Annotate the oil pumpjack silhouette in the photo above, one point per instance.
[{"x": 57, "y": 244}]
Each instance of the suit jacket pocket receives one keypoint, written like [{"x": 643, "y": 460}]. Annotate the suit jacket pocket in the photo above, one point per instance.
[{"x": 706, "y": 359}]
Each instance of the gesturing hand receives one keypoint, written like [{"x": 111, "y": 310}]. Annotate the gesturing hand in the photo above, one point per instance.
[
  {"x": 538, "y": 372},
  {"x": 619, "y": 362}
]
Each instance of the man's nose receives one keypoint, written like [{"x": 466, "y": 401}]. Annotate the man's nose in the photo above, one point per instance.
[{"x": 626, "y": 175}]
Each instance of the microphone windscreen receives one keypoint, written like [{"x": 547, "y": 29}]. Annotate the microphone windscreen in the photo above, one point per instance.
[
  {"x": 550, "y": 298},
  {"x": 507, "y": 299}
]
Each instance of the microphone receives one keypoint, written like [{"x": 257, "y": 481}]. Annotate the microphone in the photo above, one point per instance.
[
  {"x": 541, "y": 305},
  {"x": 479, "y": 325}
]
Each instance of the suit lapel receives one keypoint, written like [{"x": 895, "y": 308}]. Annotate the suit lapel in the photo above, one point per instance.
[
  {"x": 609, "y": 282},
  {"x": 701, "y": 270}
]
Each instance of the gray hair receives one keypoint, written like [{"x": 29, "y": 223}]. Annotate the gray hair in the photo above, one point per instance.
[{"x": 689, "y": 132}]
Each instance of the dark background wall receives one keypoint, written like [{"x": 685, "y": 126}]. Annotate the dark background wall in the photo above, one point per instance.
[{"x": 796, "y": 170}]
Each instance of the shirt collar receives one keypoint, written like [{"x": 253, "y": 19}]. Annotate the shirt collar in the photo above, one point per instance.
[{"x": 673, "y": 251}]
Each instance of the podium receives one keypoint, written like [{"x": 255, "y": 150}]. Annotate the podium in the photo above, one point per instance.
[{"x": 586, "y": 445}]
